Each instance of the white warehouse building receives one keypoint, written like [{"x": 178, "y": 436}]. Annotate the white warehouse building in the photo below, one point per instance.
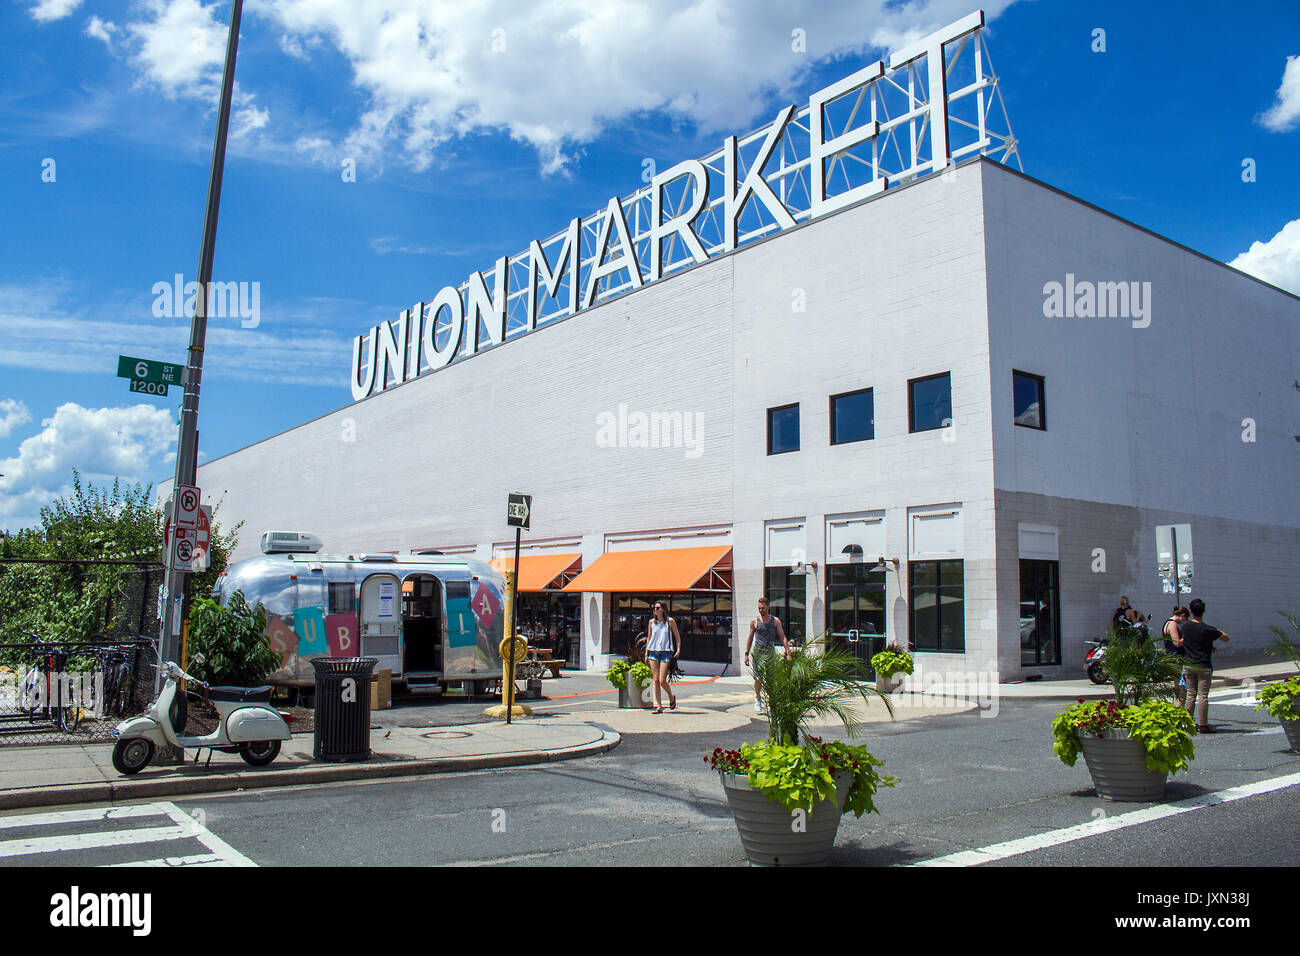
[{"x": 950, "y": 414}]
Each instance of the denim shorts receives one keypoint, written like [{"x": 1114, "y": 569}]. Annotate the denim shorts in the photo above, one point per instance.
[{"x": 660, "y": 656}]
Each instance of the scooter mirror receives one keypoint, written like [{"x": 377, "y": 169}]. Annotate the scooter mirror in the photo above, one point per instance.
[{"x": 198, "y": 658}]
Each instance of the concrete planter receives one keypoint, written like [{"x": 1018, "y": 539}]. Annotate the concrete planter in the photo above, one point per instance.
[
  {"x": 768, "y": 832},
  {"x": 1118, "y": 765},
  {"x": 887, "y": 685},
  {"x": 640, "y": 698},
  {"x": 1292, "y": 730}
]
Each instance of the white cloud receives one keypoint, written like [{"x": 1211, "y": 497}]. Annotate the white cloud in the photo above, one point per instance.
[
  {"x": 1277, "y": 261},
  {"x": 552, "y": 74},
  {"x": 100, "y": 443},
  {"x": 182, "y": 48},
  {"x": 1284, "y": 115},
  {"x": 101, "y": 30},
  {"x": 13, "y": 414},
  {"x": 47, "y": 10},
  {"x": 294, "y": 343}
]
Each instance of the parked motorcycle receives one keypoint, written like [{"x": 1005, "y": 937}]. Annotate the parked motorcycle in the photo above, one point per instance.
[
  {"x": 247, "y": 724},
  {"x": 1093, "y": 659}
]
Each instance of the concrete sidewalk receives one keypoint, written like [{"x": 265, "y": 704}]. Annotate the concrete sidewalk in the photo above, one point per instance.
[{"x": 83, "y": 773}]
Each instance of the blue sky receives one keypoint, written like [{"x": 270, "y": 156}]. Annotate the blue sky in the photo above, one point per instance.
[{"x": 475, "y": 128}]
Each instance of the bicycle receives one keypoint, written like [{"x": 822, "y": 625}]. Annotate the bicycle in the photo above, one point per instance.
[{"x": 43, "y": 686}]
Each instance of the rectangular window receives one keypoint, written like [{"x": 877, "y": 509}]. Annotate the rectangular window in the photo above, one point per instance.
[
  {"x": 786, "y": 593},
  {"x": 853, "y": 417},
  {"x": 1040, "y": 624},
  {"x": 783, "y": 429},
  {"x": 929, "y": 402},
  {"x": 1029, "y": 408},
  {"x": 938, "y": 606},
  {"x": 342, "y": 597},
  {"x": 703, "y": 622}
]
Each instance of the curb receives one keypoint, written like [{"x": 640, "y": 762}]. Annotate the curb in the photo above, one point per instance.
[{"x": 129, "y": 791}]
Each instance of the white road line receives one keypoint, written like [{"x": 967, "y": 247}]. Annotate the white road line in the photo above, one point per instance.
[
  {"x": 202, "y": 859},
  {"x": 209, "y": 839},
  {"x": 90, "y": 841},
  {"x": 79, "y": 816},
  {"x": 1000, "y": 851}
]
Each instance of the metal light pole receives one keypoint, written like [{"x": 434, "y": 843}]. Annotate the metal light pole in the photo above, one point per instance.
[{"x": 187, "y": 449}]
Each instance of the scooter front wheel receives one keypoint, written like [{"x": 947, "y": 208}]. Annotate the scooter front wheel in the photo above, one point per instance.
[
  {"x": 132, "y": 755},
  {"x": 260, "y": 752},
  {"x": 1095, "y": 675}
]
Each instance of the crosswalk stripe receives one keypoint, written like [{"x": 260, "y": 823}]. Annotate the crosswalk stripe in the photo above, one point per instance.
[
  {"x": 205, "y": 836},
  {"x": 79, "y": 816},
  {"x": 90, "y": 841}
]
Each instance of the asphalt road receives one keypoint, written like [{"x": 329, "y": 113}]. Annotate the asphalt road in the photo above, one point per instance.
[{"x": 965, "y": 782}]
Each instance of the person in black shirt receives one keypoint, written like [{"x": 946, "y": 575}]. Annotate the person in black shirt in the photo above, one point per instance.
[{"x": 1197, "y": 641}]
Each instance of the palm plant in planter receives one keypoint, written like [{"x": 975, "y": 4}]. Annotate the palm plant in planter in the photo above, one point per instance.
[
  {"x": 1133, "y": 743},
  {"x": 787, "y": 793},
  {"x": 888, "y": 665}
]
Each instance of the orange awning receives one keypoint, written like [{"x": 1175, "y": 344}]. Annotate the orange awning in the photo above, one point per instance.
[
  {"x": 669, "y": 569},
  {"x": 537, "y": 572}
]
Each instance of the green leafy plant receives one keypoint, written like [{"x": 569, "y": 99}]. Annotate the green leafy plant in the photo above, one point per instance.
[
  {"x": 56, "y": 584},
  {"x": 620, "y": 670},
  {"x": 818, "y": 680},
  {"x": 800, "y": 777},
  {"x": 617, "y": 674},
  {"x": 892, "y": 661},
  {"x": 232, "y": 640},
  {"x": 1281, "y": 700},
  {"x": 1139, "y": 669},
  {"x": 1164, "y": 728}
]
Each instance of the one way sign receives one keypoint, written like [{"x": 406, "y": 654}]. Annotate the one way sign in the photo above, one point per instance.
[{"x": 518, "y": 511}]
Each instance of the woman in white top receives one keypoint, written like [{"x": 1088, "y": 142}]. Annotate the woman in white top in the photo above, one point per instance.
[{"x": 663, "y": 645}]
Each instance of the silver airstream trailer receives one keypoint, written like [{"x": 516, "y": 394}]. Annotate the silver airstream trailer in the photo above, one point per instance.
[{"x": 431, "y": 619}]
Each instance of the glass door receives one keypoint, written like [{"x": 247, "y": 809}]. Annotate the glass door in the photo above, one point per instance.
[{"x": 855, "y": 612}]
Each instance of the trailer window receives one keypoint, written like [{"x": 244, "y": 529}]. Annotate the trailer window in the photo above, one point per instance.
[
  {"x": 457, "y": 589},
  {"x": 342, "y": 597}
]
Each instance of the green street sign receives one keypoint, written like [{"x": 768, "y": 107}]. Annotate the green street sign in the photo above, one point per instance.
[
  {"x": 143, "y": 370},
  {"x": 149, "y": 388}
]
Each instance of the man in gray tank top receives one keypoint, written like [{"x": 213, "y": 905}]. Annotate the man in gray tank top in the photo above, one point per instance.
[{"x": 763, "y": 632}]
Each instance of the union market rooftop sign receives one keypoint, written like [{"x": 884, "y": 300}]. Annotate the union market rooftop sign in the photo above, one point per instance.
[{"x": 935, "y": 102}]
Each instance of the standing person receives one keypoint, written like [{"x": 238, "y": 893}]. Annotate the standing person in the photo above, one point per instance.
[
  {"x": 763, "y": 632},
  {"x": 1174, "y": 645},
  {"x": 1198, "y": 644},
  {"x": 663, "y": 646}
]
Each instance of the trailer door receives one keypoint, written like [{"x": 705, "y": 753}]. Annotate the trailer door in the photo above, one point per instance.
[{"x": 381, "y": 621}]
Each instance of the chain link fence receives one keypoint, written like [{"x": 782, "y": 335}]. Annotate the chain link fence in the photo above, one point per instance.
[{"x": 72, "y": 691}]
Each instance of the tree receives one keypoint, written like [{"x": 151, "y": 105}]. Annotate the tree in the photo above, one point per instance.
[{"x": 79, "y": 599}]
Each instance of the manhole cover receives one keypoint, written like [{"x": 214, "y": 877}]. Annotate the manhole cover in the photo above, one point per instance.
[{"x": 445, "y": 734}]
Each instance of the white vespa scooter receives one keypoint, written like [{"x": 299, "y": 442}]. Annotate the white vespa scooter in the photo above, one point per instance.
[{"x": 248, "y": 724}]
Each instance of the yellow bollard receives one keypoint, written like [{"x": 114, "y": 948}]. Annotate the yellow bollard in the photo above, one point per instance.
[{"x": 507, "y": 674}]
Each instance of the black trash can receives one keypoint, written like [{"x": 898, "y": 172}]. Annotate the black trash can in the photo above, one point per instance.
[{"x": 342, "y": 728}]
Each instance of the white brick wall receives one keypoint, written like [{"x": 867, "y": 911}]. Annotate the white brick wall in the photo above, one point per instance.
[{"x": 900, "y": 287}]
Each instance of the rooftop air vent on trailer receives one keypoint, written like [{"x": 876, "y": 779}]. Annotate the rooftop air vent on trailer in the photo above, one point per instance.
[{"x": 289, "y": 542}]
